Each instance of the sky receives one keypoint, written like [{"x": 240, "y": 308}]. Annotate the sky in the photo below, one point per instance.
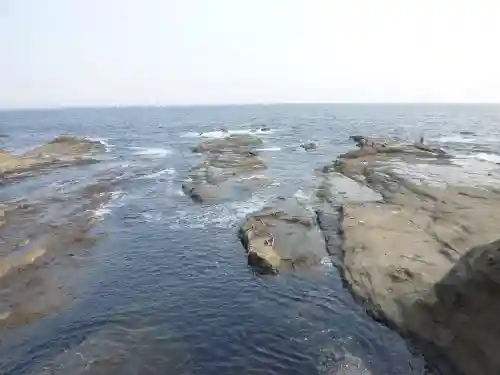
[{"x": 65, "y": 53}]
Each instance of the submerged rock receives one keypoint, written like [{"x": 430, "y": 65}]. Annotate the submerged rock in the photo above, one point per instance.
[
  {"x": 227, "y": 172},
  {"x": 426, "y": 258},
  {"x": 282, "y": 236},
  {"x": 222, "y": 177},
  {"x": 40, "y": 236}
]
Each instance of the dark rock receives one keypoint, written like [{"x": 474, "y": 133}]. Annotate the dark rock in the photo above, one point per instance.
[
  {"x": 309, "y": 146},
  {"x": 283, "y": 236}
]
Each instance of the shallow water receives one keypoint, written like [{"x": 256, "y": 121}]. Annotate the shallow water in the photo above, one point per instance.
[{"x": 166, "y": 289}]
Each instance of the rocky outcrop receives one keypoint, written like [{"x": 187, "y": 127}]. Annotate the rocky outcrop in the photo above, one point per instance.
[
  {"x": 283, "y": 236},
  {"x": 232, "y": 143},
  {"x": 40, "y": 237},
  {"x": 66, "y": 146},
  {"x": 62, "y": 151},
  {"x": 426, "y": 257},
  {"x": 228, "y": 170}
]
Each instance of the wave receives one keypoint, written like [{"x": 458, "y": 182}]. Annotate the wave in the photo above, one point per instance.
[
  {"x": 153, "y": 152},
  {"x": 455, "y": 139},
  {"x": 269, "y": 149},
  {"x": 483, "y": 156},
  {"x": 222, "y": 134},
  {"x": 152, "y": 176},
  {"x": 107, "y": 208},
  {"x": 220, "y": 216}
]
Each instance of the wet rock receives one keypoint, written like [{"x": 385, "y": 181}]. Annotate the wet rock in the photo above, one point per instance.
[
  {"x": 336, "y": 188},
  {"x": 232, "y": 143},
  {"x": 384, "y": 146},
  {"x": 62, "y": 151},
  {"x": 20, "y": 258},
  {"x": 66, "y": 146},
  {"x": 265, "y": 129},
  {"x": 282, "y": 236},
  {"x": 309, "y": 146},
  {"x": 224, "y": 176},
  {"x": 36, "y": 235},
  {"x": 228, "y": 171},
  {"x": 426, "y": 259}
]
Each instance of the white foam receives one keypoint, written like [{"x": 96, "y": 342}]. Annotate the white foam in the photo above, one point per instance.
[
  {"x": 106, "y": 208},
  {"x": 219, "y": 216},
  {"x": 455, "y": 139},
  {"x": 152, "y": 176},
  {"x": 269, "y": 149},
  {"x": 103, "y": 141},
  {"x": 483, "y": 156},
  {"x": 222, "y": 134},
  {"x": 152, "y": 216},
  {"x": 153, "y": 152}
]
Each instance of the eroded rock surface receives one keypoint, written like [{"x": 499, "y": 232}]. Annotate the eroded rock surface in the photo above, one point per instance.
[
  {"x": 283, "y": 236},
  {"x": 40, "y": 241},
  {"x": 426, "y": 259},
  {"x": 62, "y": 151},
  {"x": 232, "y": 143},
  {"x": 228, "y": 170}
]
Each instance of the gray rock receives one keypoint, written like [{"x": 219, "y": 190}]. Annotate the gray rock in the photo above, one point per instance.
[
  {"x": 309, "y": 146},
  {"x": 227, "y": 172},
  {"x": 282, "y": 237}
]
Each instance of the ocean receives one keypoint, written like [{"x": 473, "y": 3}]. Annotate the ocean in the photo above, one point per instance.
[{"x": 165, "y": 287}]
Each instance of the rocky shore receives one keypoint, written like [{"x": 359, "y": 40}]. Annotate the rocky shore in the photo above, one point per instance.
[
  {"x": 416, "y": 235},
  {"x": 413, "y": 231},
  {"x": 41, "y": 234}
]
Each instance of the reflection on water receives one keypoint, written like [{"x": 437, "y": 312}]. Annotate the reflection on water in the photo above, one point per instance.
[{"x": 134, "y": 278}]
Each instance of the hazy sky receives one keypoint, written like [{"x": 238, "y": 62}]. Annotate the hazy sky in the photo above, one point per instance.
[{"x": 133, "y": 52}]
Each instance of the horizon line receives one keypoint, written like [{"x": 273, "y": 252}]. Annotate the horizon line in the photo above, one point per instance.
[{"x": 201, "y": 105}]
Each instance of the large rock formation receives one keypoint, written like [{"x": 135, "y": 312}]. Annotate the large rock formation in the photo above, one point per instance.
[
  {"x": 227, "y": 172},
  {"x": 283, "y": 236},
  {"x": 231, "y": 143},
  {"x": 62, "y": 151},
  {"x": 426, "y": 259},
  {"x": 39, "y": 238}
]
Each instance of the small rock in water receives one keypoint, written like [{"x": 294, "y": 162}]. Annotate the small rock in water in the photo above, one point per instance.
[{"x": 309, "y": 146}]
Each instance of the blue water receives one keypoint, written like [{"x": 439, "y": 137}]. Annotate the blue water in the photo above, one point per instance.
[{"x": 166, "y": 289}]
